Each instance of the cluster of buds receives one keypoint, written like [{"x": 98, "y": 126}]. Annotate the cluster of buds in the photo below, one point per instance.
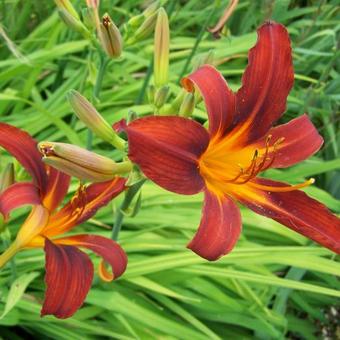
[
  {"x": 141, "y": 26},
  {"x": 81, "y": 163},
  {"x": 184, "y": 103},
  {"x": 109, "y": 37},
  {"x": 71, "y": 18}
]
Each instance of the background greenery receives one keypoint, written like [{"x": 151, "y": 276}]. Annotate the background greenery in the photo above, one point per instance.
[{"x": 275, "y": 284}]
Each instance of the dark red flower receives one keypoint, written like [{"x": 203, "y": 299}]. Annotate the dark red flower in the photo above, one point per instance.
[
  {"x": 181, "y": 156},
  {"x": 69, "y": 271}
]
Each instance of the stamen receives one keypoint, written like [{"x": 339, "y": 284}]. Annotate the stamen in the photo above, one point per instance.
[
  {"x": 218, "y": 168},
  {"x": 283, "y": 188},
  {"x": 275, "y": 145},
  {"x": 265, "y": 156},
  {"x": 251, "y": 170},
  {"x": 78, "y": 201}
]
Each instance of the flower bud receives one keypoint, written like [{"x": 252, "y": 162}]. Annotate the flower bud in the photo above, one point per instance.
[
  {"x": 161, "y": 54},
  {"x": 7, "y": 177},
  {"x": 74, "y": 24},
  {"x": 92, "y": 3},
  {"x": 111, "y": 38},
  {"x": 177, "y": 102},
  {"x": 81, "y": 163},
  {"x": 167, "y": 110},
  {"x": 188, "y": 105},
  {"x": 86, "y": 112},
  {"x": 151, "y": 9},
  {"x": 68, "y": 7},
  {"x": 161, "y": 96},
  {"x": 89, "y": 18},
  {"x": 145, "y": 29},
  {"x": 136, "y": 21}
]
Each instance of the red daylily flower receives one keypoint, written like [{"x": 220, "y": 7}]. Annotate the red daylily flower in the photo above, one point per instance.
[
  {"x": 181, "y": 156},
  {"x": 69, "y": 271}
]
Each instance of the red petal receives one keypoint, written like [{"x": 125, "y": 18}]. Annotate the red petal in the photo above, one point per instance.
[
  {"x": 220, "y": 228},
  {"x": 167, "y": 150},
  {"x": 295, "y": 210},
  {"x": 58, "y": 184},
  {"x": 83, "y": 206},
  {"x": 301, "y": 140},
  {"x": 219, "y": 99},
  {"x": 24, "y": 148},
  {"x": 108, "y": 249},
  {"x": 266, "y": 82},
  {"x": 69, "y": 274},
  {"x": 18, "y": 195}
]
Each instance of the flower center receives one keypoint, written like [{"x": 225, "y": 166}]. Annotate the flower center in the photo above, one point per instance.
[{"x": 224, "y": 167}]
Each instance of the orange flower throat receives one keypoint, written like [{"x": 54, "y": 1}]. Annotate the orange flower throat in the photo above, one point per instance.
[{"x": 225, "y": 166}]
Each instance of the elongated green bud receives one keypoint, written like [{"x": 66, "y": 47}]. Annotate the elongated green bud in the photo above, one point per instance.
[
  {"x": 7, "y": 177},
  {"x": 111, "y": 38},
  {"x": 187, "y": 106},
  {"x": 81, "y": 163},
  {"x": 151, "y": 9},
  {"x": 68, "y": 7},
  {"x": 136, "y": 21},
  {"x": 146, "y": 28},
  {"x": 86, "y": 112},
  {"x": 161, "y": 96},
  {"x": 161, "y": 54},
  {"x": 177, "y": 102},
  {"x": 74, "y": 24},
  {"x": 89, "y": 18}
]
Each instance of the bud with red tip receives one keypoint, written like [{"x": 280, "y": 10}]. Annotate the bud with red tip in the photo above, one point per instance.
[
  {"x": 111, "y": 38},
  {"x": 81, "y": 163}
]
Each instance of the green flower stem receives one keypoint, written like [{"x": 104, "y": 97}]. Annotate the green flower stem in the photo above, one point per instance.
[
  {"x": 129, "y": 196},
  {"x": 147, "y": 78}
]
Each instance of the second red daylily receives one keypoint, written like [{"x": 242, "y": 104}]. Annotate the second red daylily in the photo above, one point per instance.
[
  {"x": 69, "y": 271},
  {"x": 181, "y": 156}
]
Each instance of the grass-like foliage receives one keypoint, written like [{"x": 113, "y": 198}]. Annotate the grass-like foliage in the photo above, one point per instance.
[{"x": 275, "y": 284}]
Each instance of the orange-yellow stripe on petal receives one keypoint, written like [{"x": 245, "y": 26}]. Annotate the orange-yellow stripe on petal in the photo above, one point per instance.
[
  {"x": 294, "y": 209},
  {"x": 266, "y": 84},
  {"x": 104, "y": 273},
  {"x": 33, "y": 225}
]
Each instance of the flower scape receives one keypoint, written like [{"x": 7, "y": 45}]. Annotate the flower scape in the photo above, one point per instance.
[{"x": 228, "y": 158}]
